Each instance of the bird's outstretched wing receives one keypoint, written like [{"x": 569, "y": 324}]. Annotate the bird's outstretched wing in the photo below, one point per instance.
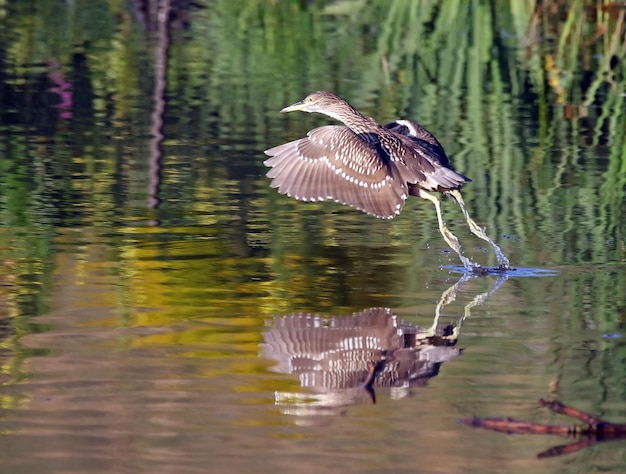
[{"x": 333, "y": 163}]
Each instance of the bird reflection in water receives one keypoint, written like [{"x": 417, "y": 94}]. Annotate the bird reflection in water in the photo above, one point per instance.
[
  {"x": 341, "y": 360},
  {"x": 371, "y": 167}
]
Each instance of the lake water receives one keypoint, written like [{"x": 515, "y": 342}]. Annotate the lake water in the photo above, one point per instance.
[{"x": 162, "y": 309}]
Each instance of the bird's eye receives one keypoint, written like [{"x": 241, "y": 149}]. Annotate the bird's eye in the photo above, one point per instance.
[{"x": 309, "y": 99}]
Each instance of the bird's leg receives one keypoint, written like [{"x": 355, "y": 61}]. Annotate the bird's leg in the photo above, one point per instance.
[
  {"x": 477, "y": 231},
  {"x": 448, "y": 236}
]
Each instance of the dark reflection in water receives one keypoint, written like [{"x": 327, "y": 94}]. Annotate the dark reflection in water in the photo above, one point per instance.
[{"x": 341, "y": 360}]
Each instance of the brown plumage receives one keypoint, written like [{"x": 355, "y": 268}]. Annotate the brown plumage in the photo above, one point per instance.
[
  {"x": 367, "y": 166},
  {"x": 362, "y": 164}
]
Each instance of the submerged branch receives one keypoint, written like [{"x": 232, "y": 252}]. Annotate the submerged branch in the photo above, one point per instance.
[{"x": 593, "y": 432}]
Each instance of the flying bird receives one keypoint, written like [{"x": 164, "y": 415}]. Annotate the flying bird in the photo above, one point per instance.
[{"x": 370, "y": 167}]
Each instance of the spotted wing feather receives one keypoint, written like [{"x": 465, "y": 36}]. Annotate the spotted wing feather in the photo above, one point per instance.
[
  {"x": 333, "y": 163},
  {"x": 429, "y": 155}
]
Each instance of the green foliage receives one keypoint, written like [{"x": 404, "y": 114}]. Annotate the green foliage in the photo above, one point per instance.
[{"x": 526, "y": 97}]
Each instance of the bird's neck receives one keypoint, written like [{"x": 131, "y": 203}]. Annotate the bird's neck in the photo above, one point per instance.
[{"x": 356, "y": 121}]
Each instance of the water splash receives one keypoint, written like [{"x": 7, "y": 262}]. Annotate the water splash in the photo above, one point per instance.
[{"x": 478, "y": 270}]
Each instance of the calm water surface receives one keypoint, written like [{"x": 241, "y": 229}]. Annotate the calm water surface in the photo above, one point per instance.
[{"x": 163, "y": 310}]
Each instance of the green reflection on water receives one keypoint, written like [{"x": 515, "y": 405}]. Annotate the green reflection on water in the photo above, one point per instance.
[{"x": 547, "y": 170}]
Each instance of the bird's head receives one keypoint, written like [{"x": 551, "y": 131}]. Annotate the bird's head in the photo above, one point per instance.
[{"x": 323, "y": 102}]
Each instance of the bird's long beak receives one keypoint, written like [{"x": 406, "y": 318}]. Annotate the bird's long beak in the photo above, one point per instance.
[{"x": 294, "y": 107}]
